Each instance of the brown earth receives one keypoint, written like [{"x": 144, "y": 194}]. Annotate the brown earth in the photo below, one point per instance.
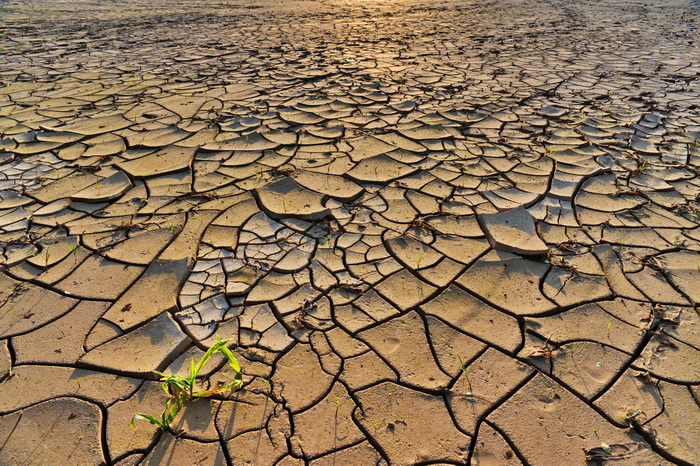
[{"x": 445, "y": 231}]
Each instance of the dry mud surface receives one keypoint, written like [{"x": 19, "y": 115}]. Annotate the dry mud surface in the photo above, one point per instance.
[{"x": 447, "y": 232}]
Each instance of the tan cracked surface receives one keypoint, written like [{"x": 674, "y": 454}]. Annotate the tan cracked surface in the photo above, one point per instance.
[{"x": 446, "y": 232}]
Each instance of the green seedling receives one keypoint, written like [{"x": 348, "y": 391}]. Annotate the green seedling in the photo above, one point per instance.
[
  {"x": 644, "y": 166},
  {"x": 71, "y": 250},
  {"x": 338, "y": 404},
  {"x": 180, "y": 389},
  {"x": 631, "y": 416},
  {"x": 171, "y": 227},
  {"x": 265, "y": 380},
  {"x": 47, "y": 255},
  {"x": 291, "y": 205},
  {"x": 419, "y": 261},
  {"x": 466, "y": 377}
]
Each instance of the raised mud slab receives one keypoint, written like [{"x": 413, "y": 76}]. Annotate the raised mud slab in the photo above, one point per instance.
[{"x": 447, "y": 232}]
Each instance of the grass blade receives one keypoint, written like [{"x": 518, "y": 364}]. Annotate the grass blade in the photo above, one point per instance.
[
  {"x": 210, "y": 352},
  {"x": 236, "y": 383},
  {"x": 232, "y": 361},
  {"x": 148, "y": 418},
  {"x": 207, "y": 393},
  {"x": 171, "y": 411},
  {"x": 193, "y": 371}
]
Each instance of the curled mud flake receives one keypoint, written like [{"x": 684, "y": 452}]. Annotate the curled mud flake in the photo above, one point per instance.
[{"x": 614, "y": 452}]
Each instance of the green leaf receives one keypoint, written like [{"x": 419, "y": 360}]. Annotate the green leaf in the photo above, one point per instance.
[
  {"x": 193, "y": 372},
  {"x": 148, "y": 418},
  {"x": 175, "y": 378},
  {"x": 210, "y": 352},
  {"x": 166, "y": 388},
  {"x": 605, "y": 447},
  {"x": 267, "y": 382},
  {"x": 232, "y": 361},
  {"x": 173, "y": 386},
  {"x": 236, "y": 383},
  {"x": 172, "y": 407},
  {"x": 463, "y": 368}
]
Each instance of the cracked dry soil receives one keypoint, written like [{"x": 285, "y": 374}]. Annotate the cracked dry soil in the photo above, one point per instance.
[{"x": 446, "y": 231}]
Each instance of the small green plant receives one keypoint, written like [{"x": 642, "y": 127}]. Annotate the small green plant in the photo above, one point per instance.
[
  {"x": 171, "y": 227},
  {"x": 338, "y": 404},
  {"x": 419, "y": 261},
  {"x": 71, "y": 250},
  {"x": 267, "y": 383},
  {"x": 466, "y": 377},
  {"x": 47, "y": 255},
  {"x": 180, "y": 389},
  {"x": 631, "y": 416},
  {"x": 643, "y": 167}
]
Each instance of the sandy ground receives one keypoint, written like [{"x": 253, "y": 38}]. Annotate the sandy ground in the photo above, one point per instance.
[{"x": 445, "y": 232}]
